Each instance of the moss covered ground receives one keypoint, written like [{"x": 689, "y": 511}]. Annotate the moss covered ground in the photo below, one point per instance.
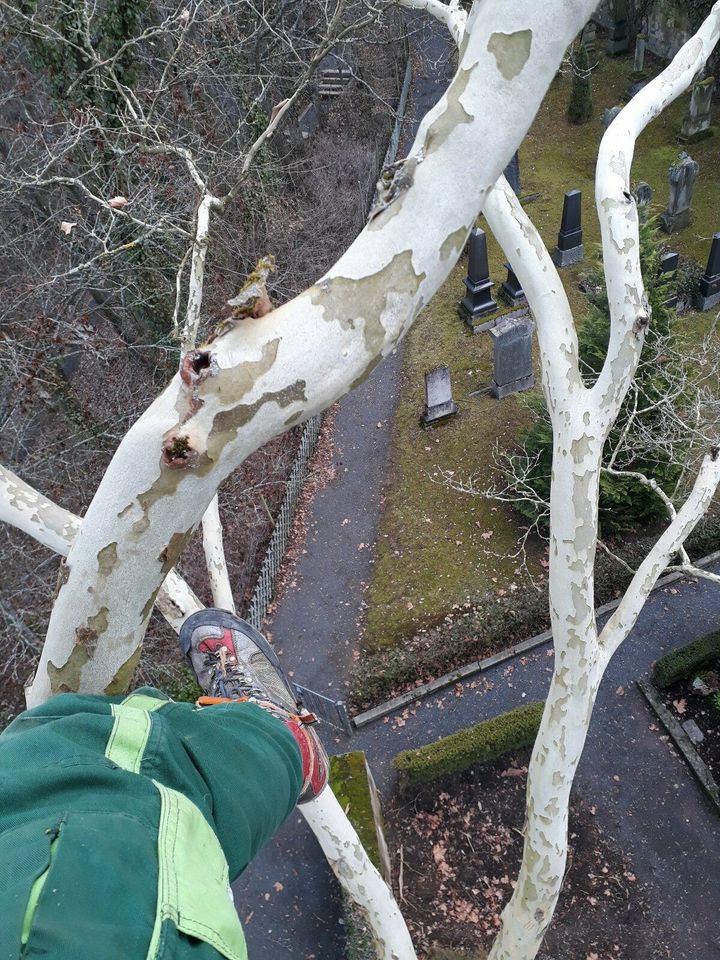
[{"x": 437, "y": 548}]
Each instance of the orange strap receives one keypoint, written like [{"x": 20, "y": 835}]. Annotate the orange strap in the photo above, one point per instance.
[{"x": 306, "y": 718}]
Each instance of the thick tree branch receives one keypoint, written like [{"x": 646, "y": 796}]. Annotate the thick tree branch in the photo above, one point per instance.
[
  {"x": 25, "y": 508},
  {"x": 538, "y": 275},
  {"x": 617, "y": 210},
  {"x": 277, "y": 370}
]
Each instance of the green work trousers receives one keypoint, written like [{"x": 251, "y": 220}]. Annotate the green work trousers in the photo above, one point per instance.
[{"x": 122, "y": 822}]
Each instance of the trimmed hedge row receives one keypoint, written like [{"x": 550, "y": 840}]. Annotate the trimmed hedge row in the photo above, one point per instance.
[
  {"x": 478, "y": 744},
  {"x": 680, "y": 664}
]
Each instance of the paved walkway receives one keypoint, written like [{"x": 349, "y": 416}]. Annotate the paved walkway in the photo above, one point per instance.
[
  {"x": 645, "y": 796},
  {"x": 317, "y": 620}
]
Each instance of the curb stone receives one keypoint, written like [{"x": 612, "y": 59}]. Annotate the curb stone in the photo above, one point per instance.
[
  {"x": 681, "y": 740},
  {"x": 479, "y": 666}
]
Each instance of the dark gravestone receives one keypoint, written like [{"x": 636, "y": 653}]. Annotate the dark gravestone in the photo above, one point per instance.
[
  {"x": 439, "y": 403},
  {"x": 569, "y": 247},
  {"x": 643, "y": 197},
  {"x": 668, "y": 269},
  {"x": 478, "y": 300},
  {"x": 609, "y": 115},
  {"x": 682, "y": 176},
  {"x": 589, "y": 36},
  {"x": 619, "y": 39},
  {"x": 709, "y": 296},
  {"x": 309, "y": 121},
  {"x": 512, "y": 290},
  {"x": 638, "y": 77},
  {"x": 512, "y": 173},
  {"x": 512, "y": 356}
]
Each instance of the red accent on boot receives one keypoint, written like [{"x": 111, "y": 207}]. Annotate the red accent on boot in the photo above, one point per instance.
[
  {"x": 211, "y": 644},
  {"x": 314, "y": 759}
]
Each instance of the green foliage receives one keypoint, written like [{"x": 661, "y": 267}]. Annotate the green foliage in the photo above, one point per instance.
[
  {"x": 182, "y": 685},
  {"x": 623, "y": 502},
  {"x": 478, "y": 744},
  {"x": 349, "y": 783},
  {"x": 66, "y": 60},
  {"x": 681, "y": 664},
  {"x": 580, "y": 107},
  {"x": 687, "y": 280}
]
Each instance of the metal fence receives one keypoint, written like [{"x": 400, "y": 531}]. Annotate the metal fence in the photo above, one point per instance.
[
  {"x": 392, "y": 149},
  {"x": 333, "y": 712},
  {"x": 262, "y": 595}
]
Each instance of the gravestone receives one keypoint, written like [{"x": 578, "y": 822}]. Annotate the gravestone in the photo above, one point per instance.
[
  {"x": 512, "y": 356},
  {"x": 643, "y": 197},
  {"x": 709, "y": 295},
  {"x": 309, "y": 121},
  {"x": 639, "y": 62},
  {"x": 682, "y": 176},
  {"x": 619, "y": 38},
  {"x": 609, "y": 115},
  {"x": 696, "y": 125},
  {"x": 478, "y": 300},
  {"x": 638, "y": 76},
  {"x": 512, "y": 173},
  {"x": 588, "y": 37},
  {"x": 668, "y": 270},
  {"x": 439, "y": 404},
  {"x": 511, "y": 288},
  {"x": 569, "y": 247}
]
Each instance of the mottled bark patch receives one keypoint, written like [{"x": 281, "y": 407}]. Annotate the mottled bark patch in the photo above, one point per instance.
[
  {"x": 226, "y": 424},
  {"x": 452, "y": 116},
  {"x": 346, "y": 301},
  {"x": 121, "y": 681},
  {"x": 66, "y": 679},
  {"x": 511, "y": 51},
  {"x": 107, "y": 559}
]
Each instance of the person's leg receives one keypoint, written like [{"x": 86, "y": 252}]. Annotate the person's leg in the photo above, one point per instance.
[{"x": 121, "y": 821}]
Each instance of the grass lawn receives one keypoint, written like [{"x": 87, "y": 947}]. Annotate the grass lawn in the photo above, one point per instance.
[{"x": 438, "y": 548}]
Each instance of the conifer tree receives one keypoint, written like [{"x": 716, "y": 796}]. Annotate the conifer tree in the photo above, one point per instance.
[{"x": 580, "y": 108}]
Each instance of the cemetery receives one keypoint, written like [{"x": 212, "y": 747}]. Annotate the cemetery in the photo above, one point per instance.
[
  {"x": 435, "y": 541},
  {"x": 460, "y": 648}
]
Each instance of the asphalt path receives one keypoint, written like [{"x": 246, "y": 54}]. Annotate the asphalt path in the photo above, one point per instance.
[{"x": 644, "y": 795}]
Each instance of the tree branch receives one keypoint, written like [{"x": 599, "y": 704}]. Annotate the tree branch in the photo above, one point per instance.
[
  {"x": 25, "y": 508},
  {"x": 617, "y": 210},
  {"x": 625, "y": 616}
]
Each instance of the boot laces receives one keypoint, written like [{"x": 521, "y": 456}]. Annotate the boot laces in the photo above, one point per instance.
[{"x": 228, "y": 679}]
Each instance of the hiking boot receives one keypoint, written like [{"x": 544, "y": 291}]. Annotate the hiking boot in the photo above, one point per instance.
[{"x": 232, "y": 661}]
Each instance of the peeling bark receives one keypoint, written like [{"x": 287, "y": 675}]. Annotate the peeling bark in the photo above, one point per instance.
[{"x": 301, "y": 357}]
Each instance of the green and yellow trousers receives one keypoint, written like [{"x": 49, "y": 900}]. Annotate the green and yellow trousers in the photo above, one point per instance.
[{"x": 122, "y": 822}]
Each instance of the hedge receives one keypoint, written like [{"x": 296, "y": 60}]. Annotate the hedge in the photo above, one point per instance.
[
  {"x": 478, "y": 744},
  {"x": 680, "y": 664}
]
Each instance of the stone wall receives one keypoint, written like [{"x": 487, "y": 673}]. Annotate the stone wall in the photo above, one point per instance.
[
  {"x": 668, "y": 28},
  {"x": 668, "y": 24}
]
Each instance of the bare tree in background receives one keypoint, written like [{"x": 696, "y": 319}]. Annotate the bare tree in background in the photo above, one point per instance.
[{"x": 277, "y": 367}]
